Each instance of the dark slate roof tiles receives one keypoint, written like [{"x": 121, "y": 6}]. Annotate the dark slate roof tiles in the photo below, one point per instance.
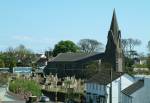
[
  {"x": 133, "y": 88},
  {"x": 71, "y": 57},
  {"x": 103, "y": 77}
]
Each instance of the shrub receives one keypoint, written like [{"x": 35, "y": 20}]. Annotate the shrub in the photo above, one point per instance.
[
  {"x": 140, "y": 66},
  {"x": 3, "y": 79},
  {"x": 25, "y": 86}
]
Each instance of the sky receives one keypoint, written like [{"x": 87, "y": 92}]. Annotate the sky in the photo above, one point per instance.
[{"x": 40, "y": 24}]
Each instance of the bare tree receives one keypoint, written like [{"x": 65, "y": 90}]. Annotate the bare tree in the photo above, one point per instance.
[
  {"x": 124, "y": 44},
  {"x": 129, "y": 45},
  {"x": 148, "y": 46},
  {"x": 24, "y": 56},
  {"x": 132, "y": 43},
  {"x": 90, "y": 45}
]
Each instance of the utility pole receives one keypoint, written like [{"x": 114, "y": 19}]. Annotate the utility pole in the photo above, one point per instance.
[
  {"x": 56, "y": 89},
  {"x": 110, "y": 91}
]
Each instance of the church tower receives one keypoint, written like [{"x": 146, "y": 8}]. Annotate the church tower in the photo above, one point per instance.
[{"x": 113, "y": 53}]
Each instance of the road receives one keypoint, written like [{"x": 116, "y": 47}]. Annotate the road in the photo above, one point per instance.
[{"x": 4, "y": 97}]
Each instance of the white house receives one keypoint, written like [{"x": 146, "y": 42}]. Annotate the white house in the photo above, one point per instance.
[
  {"x": 138, "y": 92},
  {"x": 97, "y": 88}
]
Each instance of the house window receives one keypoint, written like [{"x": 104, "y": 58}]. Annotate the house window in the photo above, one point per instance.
[
  {"x": 93, "y": 86},
  {"x": 100, "y": 87},
  {"x": 88, "y": 96},
  {"x": 100, "y": 99},
  {"x": 96, "y": 87}
]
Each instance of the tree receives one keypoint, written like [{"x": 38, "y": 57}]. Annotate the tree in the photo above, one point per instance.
[
  {"x": 124, "y": 45},
  {"x": 24, "y": 56},
  {"x": 132, "y": 43},
  {"x": 9, "y": 57},
  {"x": 148, "y": 62},
  {"x": 64, "y": 46},
  {"x": 148, "y": 46},
  {"x": 19, "y": 56},
  {"x": 90, "y": 45},
  {"x": 2, "y": 65},
  {"x": 129, "y": 45}
]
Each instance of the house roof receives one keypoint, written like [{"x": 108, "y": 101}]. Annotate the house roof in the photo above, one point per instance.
[
  {"x": 72, "y": 57},
  {"x": 133, "y": 88},
  {"x": 104, "y": 77}
]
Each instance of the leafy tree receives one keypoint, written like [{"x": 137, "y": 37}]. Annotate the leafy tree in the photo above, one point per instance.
[
  {"x": 20, "y": 56},
  {"x": 128, "y": 65},
  {"x": 90, "y": 45},
  {"x": 9, "y": 58},
  {"x": 2, "y": 64},
  {"x": 148, "y": 62},
  {"x": 64, "y": 46}
]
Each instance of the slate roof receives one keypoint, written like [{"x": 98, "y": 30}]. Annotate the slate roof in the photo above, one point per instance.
[
  {"x": 103, "y": 77},
  {"x": 133, "y": 88},
  {"x": 72, "y": 57}
]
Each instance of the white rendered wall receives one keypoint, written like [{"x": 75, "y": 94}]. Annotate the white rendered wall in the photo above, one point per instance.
[
  {"x": 126, "y": 99},
  {"x": 126, "y": 80},
  {"x": 98, "y": 89},
  {"x": 143, "y": 94}
]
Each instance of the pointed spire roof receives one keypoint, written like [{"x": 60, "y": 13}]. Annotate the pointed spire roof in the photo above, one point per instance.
[{"x": 114, "y": 24}]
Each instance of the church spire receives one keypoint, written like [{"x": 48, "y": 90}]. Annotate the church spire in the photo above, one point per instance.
[{"x": 114, "y": 24}]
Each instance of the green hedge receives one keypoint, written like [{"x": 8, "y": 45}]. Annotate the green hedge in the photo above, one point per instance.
[
  {"x": 140, "y": 66},
  {"x": 25, "y": 86}
]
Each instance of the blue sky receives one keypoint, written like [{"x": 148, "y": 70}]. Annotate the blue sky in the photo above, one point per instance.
[{"x": 39, "y": 24}]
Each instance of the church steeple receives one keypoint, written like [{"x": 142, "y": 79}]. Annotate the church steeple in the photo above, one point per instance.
[
  {"x": 114, "y": 23},
  {"x": 113, "y": 52},
  {"x": 114, "y": 28}
]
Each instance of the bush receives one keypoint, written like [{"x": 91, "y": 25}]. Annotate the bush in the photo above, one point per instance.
[
  {"x": 148, "y": 62},
  {"x": 3, "y": 79},
  {"x": 140, "y": 66},
  {"x": 19, "y": 86}
]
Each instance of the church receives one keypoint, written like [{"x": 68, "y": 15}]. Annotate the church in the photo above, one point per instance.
[{"x": 76, "y": 64}]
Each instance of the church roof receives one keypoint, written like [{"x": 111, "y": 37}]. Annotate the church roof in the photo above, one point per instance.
[
  {"x": 72, "y": 57},
  {"x": 133, "y": 88},
  {"x": 104, "y": 77}
]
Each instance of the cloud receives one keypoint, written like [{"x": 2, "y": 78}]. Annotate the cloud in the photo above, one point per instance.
[
  {"x": 39, "y": 40},
  {"x": 22, "y": 37}
]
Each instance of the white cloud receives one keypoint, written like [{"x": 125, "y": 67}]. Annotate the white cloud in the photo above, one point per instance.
[{"x": 22, "y": 37}]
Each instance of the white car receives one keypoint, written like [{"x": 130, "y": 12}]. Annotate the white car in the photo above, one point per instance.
[{"x": 44, "y": 99}]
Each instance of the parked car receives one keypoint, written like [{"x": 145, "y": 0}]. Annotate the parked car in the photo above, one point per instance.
[
  {"x": 32, "y": 99},
  {"x": 44, "y": 99}
]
